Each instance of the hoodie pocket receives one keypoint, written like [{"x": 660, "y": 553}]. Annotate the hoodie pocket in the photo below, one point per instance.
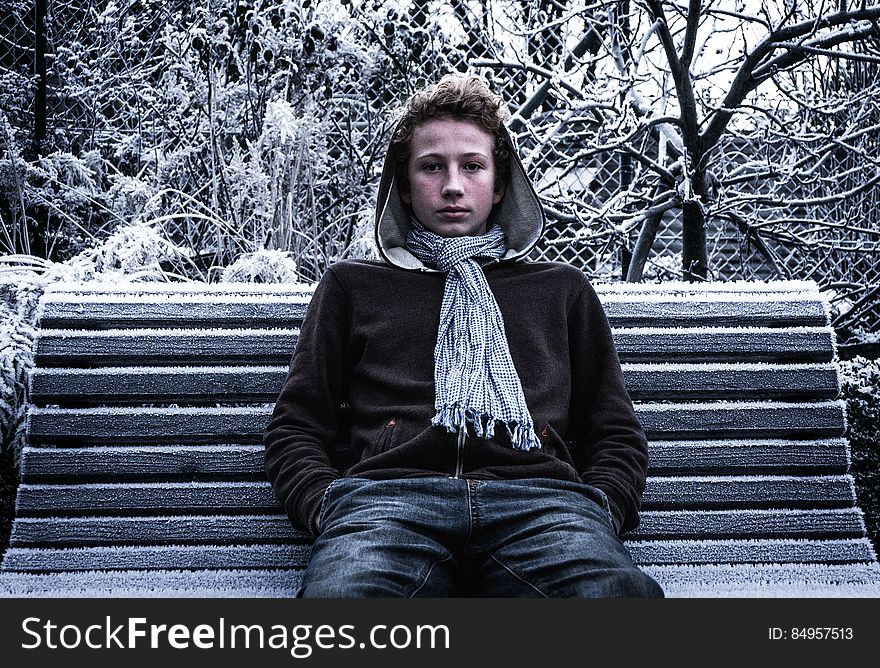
[{"x": 554, "y": 445}]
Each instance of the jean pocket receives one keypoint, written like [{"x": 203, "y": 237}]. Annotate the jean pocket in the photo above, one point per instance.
[
  {"x": 324, "y": 498},
  {"x": 601, "y": 498}
]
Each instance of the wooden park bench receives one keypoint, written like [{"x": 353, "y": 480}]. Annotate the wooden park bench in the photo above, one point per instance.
[{"x": 144, "y": 470}]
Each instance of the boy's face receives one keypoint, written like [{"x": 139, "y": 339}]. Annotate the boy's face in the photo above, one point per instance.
[{"x": 452, "y": 177}]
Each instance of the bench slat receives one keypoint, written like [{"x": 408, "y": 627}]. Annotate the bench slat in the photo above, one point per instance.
[
  {"x": 73, "y": 289},
  {"x": 91, "y": 464},
  {"x": 751, "y": 551},
  {"x": 237, "y": 424},
  {"x": 724, "y": 344},
  {"x": 244, "y": 529},
  {"x": 731, "y": 381},
  {"x": 268, "y": 346},
  {"x": 783, "y": 310},
  {"x": 857, "y": 580},
  {"x": 145, "y": 498},
  {"x": 157, "y": 557},
  {"x": 830, "y": 455},
  {"x": 758, "y": 581},
  {"x": 210, "y": 384},
  {"x": 157, "y": 530},
  {"x": 811, "y": 523},
  {"x": 712, "y": 287},
  {"x": 108, "y": 462},
  {"x": 742, "y": 419},
  {"x": 295, "y": 556},
  {"x": 114, "y": 385},
  {"x": 163, "y": 347},
  {"x": 158, "y": 583},
  {"x": 164, "y": 311},
  {"x": 282, "y": 310},
  {"x": 661, "y": 493}
]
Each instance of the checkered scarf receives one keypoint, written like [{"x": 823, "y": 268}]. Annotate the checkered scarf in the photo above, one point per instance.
[{"x": 475, "y": 380}]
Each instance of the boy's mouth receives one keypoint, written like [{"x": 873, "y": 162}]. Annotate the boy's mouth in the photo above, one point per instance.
[{"x": 453, "y": 212}]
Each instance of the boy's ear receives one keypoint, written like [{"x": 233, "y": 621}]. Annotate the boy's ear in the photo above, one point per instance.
[
  {"x": 405, "y": 196},
  {"x": 498, "y": 191}
]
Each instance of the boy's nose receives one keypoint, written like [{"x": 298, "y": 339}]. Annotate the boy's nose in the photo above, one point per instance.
[{"x": 452, "y": 185}]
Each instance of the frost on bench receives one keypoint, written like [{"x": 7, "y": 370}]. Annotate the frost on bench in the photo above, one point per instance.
[{"x": 144, "y": 476}]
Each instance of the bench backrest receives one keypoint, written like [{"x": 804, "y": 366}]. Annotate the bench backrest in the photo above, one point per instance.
[{"x": 149, "y": 402}]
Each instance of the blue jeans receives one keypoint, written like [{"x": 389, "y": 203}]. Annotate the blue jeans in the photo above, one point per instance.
[{"x": 441, "y": 537}]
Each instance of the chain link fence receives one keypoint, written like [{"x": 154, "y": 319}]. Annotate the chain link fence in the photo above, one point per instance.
[{"x": 244, "y": 124}]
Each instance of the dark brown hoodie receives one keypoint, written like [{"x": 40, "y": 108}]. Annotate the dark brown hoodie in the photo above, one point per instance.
[{"x": 361, "y": 382}]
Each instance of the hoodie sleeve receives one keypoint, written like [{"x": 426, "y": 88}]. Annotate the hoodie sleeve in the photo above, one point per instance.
[
  {"x": 613, "y": 452},
  {"x": 302, "y": 432}
]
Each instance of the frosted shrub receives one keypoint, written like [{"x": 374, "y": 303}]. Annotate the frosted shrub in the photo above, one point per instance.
[
  {"x": 663, "y": 267},
  {"x": 135, "y": 250},
  {"x": 862, "y": 378},
  {"x": 861, "y": 389},
  {"x": 19, "y": 294},
  {"x": 263, "y": 266},
  {"x": 247, "y": 124},
  {"x": 132, "y": 198},
  {"x": 18, "y": 302}
]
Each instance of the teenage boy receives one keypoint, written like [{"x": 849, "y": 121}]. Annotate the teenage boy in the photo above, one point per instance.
[{"x": 496, "y": 450}]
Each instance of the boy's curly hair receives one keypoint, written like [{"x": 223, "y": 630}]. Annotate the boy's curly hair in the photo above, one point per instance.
[{"x": 454, "y": 96}]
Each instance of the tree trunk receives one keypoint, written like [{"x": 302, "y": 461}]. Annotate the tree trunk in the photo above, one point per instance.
[
  {"x": 647, "y": 235},
  {"x": 694, "y": 259},
  {"x": 694, "y": 256}
]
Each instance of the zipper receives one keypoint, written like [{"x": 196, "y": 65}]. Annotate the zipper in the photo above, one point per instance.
[
  {"x": 385, "y": 437},
  {"x": 459, "y": 453}
]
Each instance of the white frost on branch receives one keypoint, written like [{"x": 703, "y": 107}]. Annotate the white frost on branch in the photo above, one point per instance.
[
  {"x": 133, "y": 249},
  {"x": 262, "y": 266}
]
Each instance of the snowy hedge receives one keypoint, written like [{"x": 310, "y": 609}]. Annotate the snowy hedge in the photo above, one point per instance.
[
  {"x": 861, "y": 389},
  {"x": 18, "y": 303}
]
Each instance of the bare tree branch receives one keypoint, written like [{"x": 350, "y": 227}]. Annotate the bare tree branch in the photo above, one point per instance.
[
  {"x": 534, "y": 69},
  {"x": 746, "y": 79},
  {"x": 680, "y": 76},
  {"x": 796, "y": 53},
  {"x": 864, "y": 58},
  {"x": 690, "y": 37}
]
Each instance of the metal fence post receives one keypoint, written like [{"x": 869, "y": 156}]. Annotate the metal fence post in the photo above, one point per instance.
[{"x": 39, "y": 136}]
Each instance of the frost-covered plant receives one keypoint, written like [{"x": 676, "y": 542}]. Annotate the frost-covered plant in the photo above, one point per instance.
[
  {"x": 21, "y": 284},
  {"x": 239, "y": 124},
  {"x": 861, "y": 389},
  {"x": 65, "y": 198},
  {"x": 135, "y": 250},
  {"x": 263, "y": 266},
  {"x": 663, "y": 267},
  {"x": 18, "y": 302}
]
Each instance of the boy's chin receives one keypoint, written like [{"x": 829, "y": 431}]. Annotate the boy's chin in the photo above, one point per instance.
[{"x": 457, "y": 229}]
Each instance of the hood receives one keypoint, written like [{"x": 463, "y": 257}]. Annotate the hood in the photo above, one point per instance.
[{"x": 519, "y": 213}]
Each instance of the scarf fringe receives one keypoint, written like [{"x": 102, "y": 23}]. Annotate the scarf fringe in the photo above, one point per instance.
[{"x": 455, "y": 418}]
